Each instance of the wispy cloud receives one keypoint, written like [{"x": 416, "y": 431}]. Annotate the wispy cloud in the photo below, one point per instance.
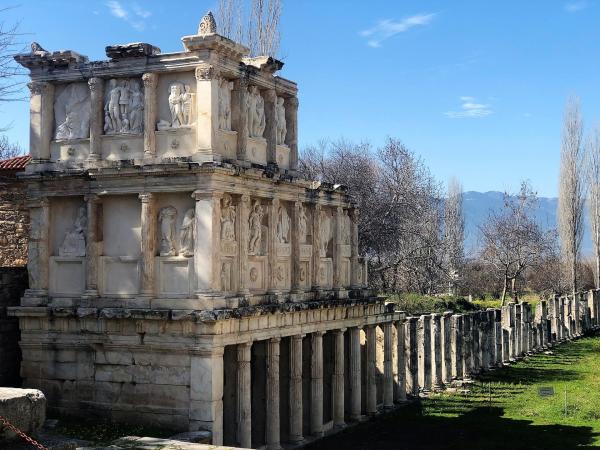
[
  {"x": 470, "y": 109},
  {"x": 576, "y": 6},
  {"x": 134, "y": 15},
  {"x": 387, "y": 28}
]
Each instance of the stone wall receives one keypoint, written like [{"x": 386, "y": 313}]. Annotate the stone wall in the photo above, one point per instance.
[
  {"x": 13, "y": 282},
  {"x": 14, "y": 221}
]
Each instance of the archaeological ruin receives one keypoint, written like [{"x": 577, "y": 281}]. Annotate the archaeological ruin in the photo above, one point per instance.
[{"x": 182, "y": 274}]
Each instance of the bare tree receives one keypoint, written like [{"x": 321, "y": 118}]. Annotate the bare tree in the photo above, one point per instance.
[
  {"x": 9, "y": 149},
  {"x": 10, "y": 86},
  {"x": 571, "y": 189},
  {"x": 454, "y": 232},
  {"x": 593, "y": 172},
  {"x": 263, "y": 31},
  {"x": 512, "y": 240},
  {"x": 229, "y": 19}
]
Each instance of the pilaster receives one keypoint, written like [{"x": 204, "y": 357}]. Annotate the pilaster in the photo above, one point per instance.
[
  {"x": 96, "y": 86},
  {"x": 316, "y": 244},
  {"x": 355, "y": 265},
  {"x": 239, "y": 117},
  {"x": 41, "y": 119},
  {"x": 207, "y": 111},
  {"x": 337, "y": 252},
  {"x": 150, "y": 111},
  {"x": 295, "y": 258},
  {"x": 291, "y": 139},
  {"x": 38, "y": 259},
  {"x": 91, "y": 252},
  {"x": 243, "y": 217},
  {"x": 148, "y": 221},
  {"x": 271, "y": 245},
  {"x": 270, "y": 97}
]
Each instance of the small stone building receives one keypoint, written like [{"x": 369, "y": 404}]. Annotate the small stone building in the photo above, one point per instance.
[{"x": 181, "y": 272}]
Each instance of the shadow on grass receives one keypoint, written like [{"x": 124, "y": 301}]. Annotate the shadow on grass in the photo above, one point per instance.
[{"x": 478, "y": 428}]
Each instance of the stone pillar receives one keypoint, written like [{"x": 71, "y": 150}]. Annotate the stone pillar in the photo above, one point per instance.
[
  {"x": 296, "y": 388},
  {"x": 150, "y": 110},
  {"x": 499, "y": 337},
  {"x": 271, "y": 240},
  {"x": 467, "y": 348},
  {"x": 355, "y": 266},
  {"x": 446, "y": 339},
  {"x": 244, "y": 395},
  {"x": 316, "y": 244},
  {"x": 316, "y": 384},
  {"x": 518, "y": 329},
  {"x": 411, "y": 356},
  {"x": 475, "y": 355},
  {"x": 424, "y": 346},
  {"x": 148, "y": 221},
  {"x": 291, "y": 137},
  {"x": 239, "y": 116},
  {"x": 456, "y": 351},
  {"x": 206, "y": 393},
  {"x": 41, "y": 120},
  {"x": 401, "y": 359},
  {"x": 524, "y": 328},
  {"x": 337, "y": 254},
  {"x": 207, "y": 110},
  {"x": 38, "y": 253},
  {"x": 207, "y": 250},
  {"x": 91, "y": 246},
  {"x": 371, "y": 397},
  {"x": 96, "y": 117},
  {"x": 436, "y": 352},
  {"x": 243, "y": 217},
  {"x": 338, "y": 379},
  {"x": 270, "y": 97},
  {"x": 272, "y": 421},
  {"x": 355, "y": 373},
  {"x": 296, "y": 289},
  {"x": 388, "y": 369}
]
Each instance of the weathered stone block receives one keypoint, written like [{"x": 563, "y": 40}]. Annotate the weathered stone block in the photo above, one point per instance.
[{"x": 24, "y": 408}]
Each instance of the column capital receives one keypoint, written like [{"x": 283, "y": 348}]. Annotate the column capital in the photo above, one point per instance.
[
  {"x": 146, "y": 197},
  {"x": 269, "y": 95},
  {"x": 240, "y": 84},
  {"x": 339, "y": 331},
  {"x": 150, "y": 79},
  {"x": 205, "y": 72},
  {"x": 39, "y": 87},
  {"x": 319, "y": 333},
  {"x": 292, "y": 102},
  {"x": 201, "y": 195},
  {"x": 275, "y": 340},
  {"x": 298, "y": 336},
  {"x": 95, "y": 84}
]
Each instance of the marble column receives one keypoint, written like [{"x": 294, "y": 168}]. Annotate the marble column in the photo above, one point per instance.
[
  {"x": 475, "y": 349},
  {"x": 38, "y": 252},
  {"x": 436, "y": 352},
  {"x": 371, "y": 398},
  {"x": 270, "y": 97},
  {"x": 401, "y": 359},
  {"x": 316, "y": 384},
  {"x": 91, "y": 246},
  {"x": 296, "y": 388},
  {"x": 355, "y": 373},
  {"x": 388, "y": 368},
  {"x": 518, "y": 329},
  {"x": 243, "y": 217},
  {"x": 239, "y": 116},
  {"x": 446, "y": 335},
  {"x": 41, "y": 120},
  {"x": 424, "y": 345},
  {"x": 207, "y": 250},
  {"x": 295, "y": 258},
  {"x": 355, "y": 266},
  {"x": 499, "y": 338},
  {"x": 148, "y": 221},
  {"x": 96, "y": 117},
  {"x": 150, "y": 110},
  {"x": 338, "y": 379},
  {"x": 271, "y": 245},
  {"x": 207, "y": 109},
  {"x": 244, "y": 395},
  {"x": 467, "y": 347},
  {"x": 316, "y": 236},
  {"x": 272, "y": 422},
  {"x": 206, "y": 392},
  {"x": 411, "y": 356},
  {"x": 291, "y": 137},
  {"x": 456, "y": 352}
]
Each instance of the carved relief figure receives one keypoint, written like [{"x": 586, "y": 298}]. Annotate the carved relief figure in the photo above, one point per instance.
[
  {"x": 187, "y": 235},
  {"x": 225, "y": 87},
  {"x": 136, "y": 121},
  {"x": 256, "y": 113},
  {"x": 167, "y": 217},
  {"x": 123, "y": 110},
  {"x": 346, "y": 229},
  {"x": 281, "y": 123},
  {"x": 324, "y": 232},
  {"x": 175, "y": 105},
  {"x": 255, "y": 225},
  {"x": 283, "y": 226},
  {"x": 187, "y": 100},
  {"x": 227, "y": 219},
  {"x": 72, "y": 110},
  {"x": 302, "y": 225},
  {"x": 260, "y": 122},
  {"x": 74, "y": 242},
  {"x": 181, "y": 106}
]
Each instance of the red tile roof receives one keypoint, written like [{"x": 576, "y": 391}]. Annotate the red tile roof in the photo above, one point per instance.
[{"x": 16, "y": 163}]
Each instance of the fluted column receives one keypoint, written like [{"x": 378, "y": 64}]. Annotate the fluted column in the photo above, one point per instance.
[
  {"x": 41, "y": 120},
  {"x": 388, "y": 369},
  {"x": 244, "y": 395},
  {"x": 291, "y": 137},
  {"x": 316, "y": 384},
  {"x": 272, "y": 422},
  {"x": 400, "y": 359},
  {"x": 355, "y": 373},
  {"x": 412, "y": 356},
  {"x": 338, "y": 379},
  {"x": 296, "y": 388},
  {"x": 270, "y": 98},
  {"x": 38, "y": 252},
  {"x": 316, "y": 245},
  {"x": 243, "y": 230},
  {"x": 91, "y": 246},
  {"x": 150, "y": 110},
  {"x": 96, "y": 117},
  {"x": 371, "y": 399},
  {"x": 239, "y": 116},
  {"x": 148, "y": 221}
]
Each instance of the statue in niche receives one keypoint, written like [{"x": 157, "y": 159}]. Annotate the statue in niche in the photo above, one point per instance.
[
  {"x": 260, "y": 122},
  {"x": 256, "y": 113},
  {"x": 181, "y": 106},
  {"x": 302, "y": 225},
  {"x": 227, "y": 219},
  {"x": 187, "y": 101},
  {"x": 324, "y": 232},
  {"x": 175, "y": 105},
  {"x": 123, "y": 111},
  {"x": 283, "y": 226},
  {"x": 346, "y": 229},
  {"x": 72, "y": 110},
  {"x": 187, "y": 235},
  {"x": 226, "y": 276},
  {"x": 225, "y": 87},
  {"x": 255, "y": 225},
  {"x": 74, "y": 242},
  {"x": 167, "y": 217},
  {"x": 136, "y": 114},
  {"x": 281, "y": 123}
]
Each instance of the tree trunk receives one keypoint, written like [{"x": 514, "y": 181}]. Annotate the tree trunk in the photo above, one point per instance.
[
  {"x": 598, "y": 271},
  {"x": 574, "y": 275},
  {"x": 514, "y": 291},
  {"x": 504, "y": 287}
]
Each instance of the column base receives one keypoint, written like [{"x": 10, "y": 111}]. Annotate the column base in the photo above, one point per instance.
[
  {"x": 210, "y": 300},
  {"x": 35, "y": 297}
]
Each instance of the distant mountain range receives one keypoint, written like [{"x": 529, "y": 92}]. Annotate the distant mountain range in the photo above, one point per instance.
[{"x": 478, "y": 205}]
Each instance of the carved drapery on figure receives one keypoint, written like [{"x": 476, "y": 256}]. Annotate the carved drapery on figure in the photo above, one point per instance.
[
  {"x": 255, "y": 226},
  {"x": 281, "y": 122},
  {"x": 225, "y": 88},
  {"x": 283, "y": 226},
  {"x": 187, "y": 235},
  {"x": 181, "y": 106},
  {"x": 302, "y": 224},
  {"x": 74, "y": 243},
  {"x": 124, "y": 107},
  {"x": 167, "y": 217},
  {"x": 325, "y": 233},
  {"x": 72, "y": 109},
  {"x": 227, "y": 219},
  {"x": 346, "y": 229},
  {"x": 256, "y": 113}
]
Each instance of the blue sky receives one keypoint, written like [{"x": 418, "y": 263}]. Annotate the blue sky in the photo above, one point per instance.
[{"x": 477, "y": 89}]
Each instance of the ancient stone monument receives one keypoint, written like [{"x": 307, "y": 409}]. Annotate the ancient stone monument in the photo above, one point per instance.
[{"x": 181, "y": 273}]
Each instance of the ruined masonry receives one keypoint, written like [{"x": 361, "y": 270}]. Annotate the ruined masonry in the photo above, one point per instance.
[{"x": 182, "y": 274}]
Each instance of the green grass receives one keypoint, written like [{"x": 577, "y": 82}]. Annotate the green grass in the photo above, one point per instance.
[{"x": 501, "y": 410}]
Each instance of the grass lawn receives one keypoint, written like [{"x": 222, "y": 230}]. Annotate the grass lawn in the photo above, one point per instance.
[{"x": 503, "y": 409}]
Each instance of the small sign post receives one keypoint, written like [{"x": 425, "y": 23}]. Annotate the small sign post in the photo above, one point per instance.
[{"x": 546, "y": 391}]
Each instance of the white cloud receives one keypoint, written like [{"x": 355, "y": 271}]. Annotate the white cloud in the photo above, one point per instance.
[
  {"x": 576, "y": 6},
  {"x": 387, "y": 28},
  {"x": 134, "y": 16},
  {"x": 469, "y": 109}
]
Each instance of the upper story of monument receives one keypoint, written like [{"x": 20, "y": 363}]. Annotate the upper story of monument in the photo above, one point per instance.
[{"x": 210, "y": 102}]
